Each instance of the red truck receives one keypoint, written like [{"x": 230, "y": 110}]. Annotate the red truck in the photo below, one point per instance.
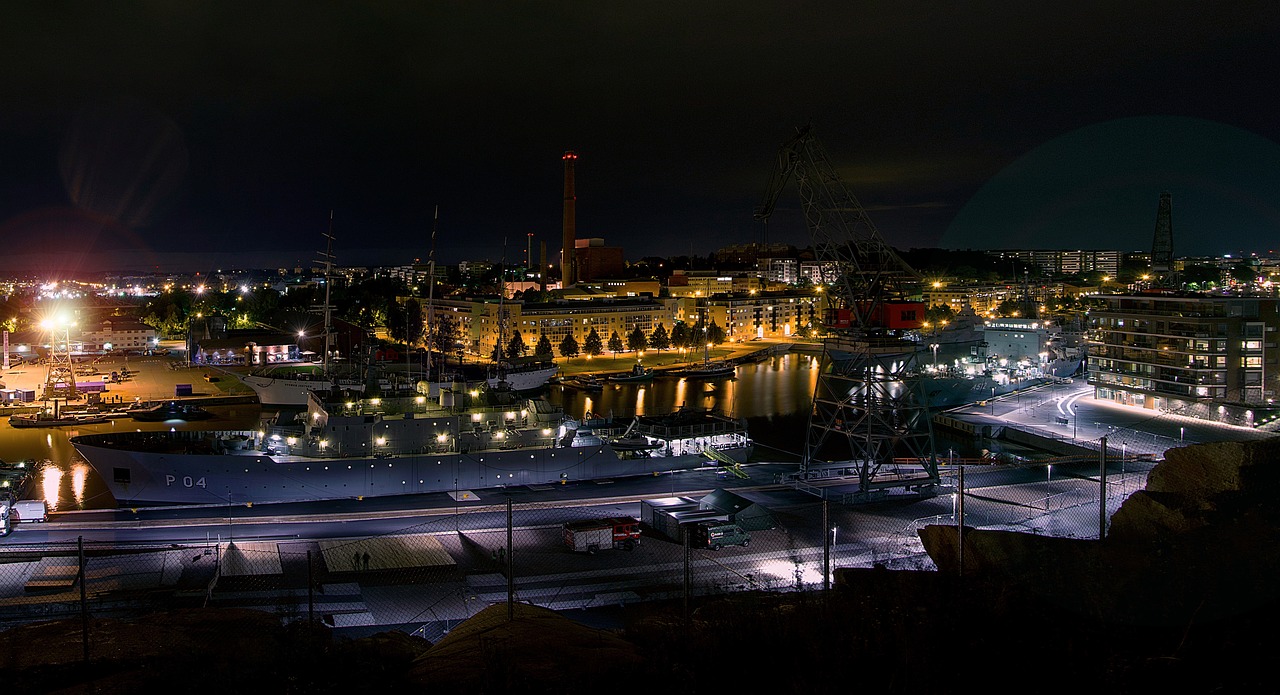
[{"x": 595, "y": 534}]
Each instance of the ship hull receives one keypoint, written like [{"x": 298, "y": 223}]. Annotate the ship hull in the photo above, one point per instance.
[
  {"x": 292, "y": 392},
  {"x": 157, "y": 478},
  {"x": 530, "y": 380}
]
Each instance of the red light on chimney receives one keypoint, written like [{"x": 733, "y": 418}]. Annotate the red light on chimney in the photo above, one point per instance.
[{"x": 569, "y": 155}]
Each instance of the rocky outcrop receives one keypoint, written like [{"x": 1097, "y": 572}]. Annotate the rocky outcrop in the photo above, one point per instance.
[
  {"x": 1200, "y": 540},
  {"x": 538, "y": 650}
]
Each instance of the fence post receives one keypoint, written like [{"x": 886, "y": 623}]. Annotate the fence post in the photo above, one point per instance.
[
  {"x": 1102, "y": 484},
  {"x": 84, "y": 603},
  {"x": 960, "y": 521},
  {"x": 826, "y": 549},
  {"x": 687, "y": 580},
  {"x": 511, "y": 579},
  {"x": 311, "y": 591}
]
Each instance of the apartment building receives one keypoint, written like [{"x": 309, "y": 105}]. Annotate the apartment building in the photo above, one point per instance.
[{"x": 1211, "y": 357}]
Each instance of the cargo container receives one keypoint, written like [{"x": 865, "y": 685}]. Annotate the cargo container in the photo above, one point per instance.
[{"x": 590, "y": 535}]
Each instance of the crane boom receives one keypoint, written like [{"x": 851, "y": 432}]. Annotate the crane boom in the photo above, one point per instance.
[
  {"x": 870, "y": 417},
  {"x": 869, "y": 278}
]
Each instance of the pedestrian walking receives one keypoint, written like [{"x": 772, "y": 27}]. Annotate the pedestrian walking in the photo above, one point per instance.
[
  {"x": 355, "y": 561},
  {"x": 366, "y": 560}
]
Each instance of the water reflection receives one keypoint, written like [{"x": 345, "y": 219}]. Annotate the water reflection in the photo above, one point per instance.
[
  {"x": 79, "y": 474},
  {"x": 781, "y": 385},
  {"x": 51, "y": 485}
]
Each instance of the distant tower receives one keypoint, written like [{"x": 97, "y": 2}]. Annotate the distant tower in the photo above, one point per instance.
[
  {"x": 569, "y": 230},
  {"x": 542, "y": 264},
  {"x": 1162, "y": 242}
]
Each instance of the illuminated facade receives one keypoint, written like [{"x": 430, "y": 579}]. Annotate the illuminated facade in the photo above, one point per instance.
[
  {"x": 1209, "y": 357},
  {"x": 762, "y": 314}
]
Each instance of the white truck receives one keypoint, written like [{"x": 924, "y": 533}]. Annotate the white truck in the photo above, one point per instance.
[
  {"x": 596, "y": 534},
  {"x": 31, "y": 511},
  {"x": 5, "y": 526}
]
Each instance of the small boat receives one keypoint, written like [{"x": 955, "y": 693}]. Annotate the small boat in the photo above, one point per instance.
[
  {"x": 708, "y": 370},
  {"x": 51, "y": 420},
  {"x": 586, "y": 383},
  {"x": 638, "y": 372},
  {"x": 170, "y": 410}
]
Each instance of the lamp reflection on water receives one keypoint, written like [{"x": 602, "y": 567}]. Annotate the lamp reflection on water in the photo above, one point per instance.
[
  {"x": 79, "y": 474},
  {"x": 51, "y": 485}
]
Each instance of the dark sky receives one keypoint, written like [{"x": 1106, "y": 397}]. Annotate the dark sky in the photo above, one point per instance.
[{"x": 198, "y": 135}]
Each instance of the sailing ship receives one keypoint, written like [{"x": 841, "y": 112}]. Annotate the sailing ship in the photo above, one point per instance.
[{"x": 290, "y": 385}]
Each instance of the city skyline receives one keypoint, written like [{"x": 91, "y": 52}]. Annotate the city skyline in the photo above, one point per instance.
[{"x": 155, "y": 137}]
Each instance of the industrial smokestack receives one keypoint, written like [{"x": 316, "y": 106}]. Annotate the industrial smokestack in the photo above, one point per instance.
[{"x": 570, "y": 228}]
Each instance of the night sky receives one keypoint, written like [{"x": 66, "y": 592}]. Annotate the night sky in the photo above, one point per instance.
[{"x": 205, "y": 135}]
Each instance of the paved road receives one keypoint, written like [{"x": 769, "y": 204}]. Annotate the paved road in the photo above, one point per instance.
[{"x": 1070, "y": 413}]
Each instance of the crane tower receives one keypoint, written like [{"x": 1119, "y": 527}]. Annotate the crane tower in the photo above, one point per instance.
[{"x": 870, "y": 416}]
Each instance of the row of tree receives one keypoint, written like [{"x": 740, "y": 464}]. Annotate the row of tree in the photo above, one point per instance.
[{"x": 681, "y": 336}]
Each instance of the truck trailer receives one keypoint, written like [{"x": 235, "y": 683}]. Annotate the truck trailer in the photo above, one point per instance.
[{"x": 591, "y": 535}]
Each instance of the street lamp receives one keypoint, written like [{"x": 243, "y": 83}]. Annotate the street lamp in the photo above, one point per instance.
[
  {"x": 1182, "y": 435},
  {"x": 935, "y": 354},
  {"x": 1048, "y": 483},
  {"x": 1075, "y": 416}
]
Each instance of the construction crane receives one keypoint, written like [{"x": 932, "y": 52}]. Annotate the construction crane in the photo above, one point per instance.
[{"x": 870, "y": 415}]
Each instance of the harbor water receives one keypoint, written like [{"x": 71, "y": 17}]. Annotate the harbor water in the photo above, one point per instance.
[{"x": 773, "y": 395}]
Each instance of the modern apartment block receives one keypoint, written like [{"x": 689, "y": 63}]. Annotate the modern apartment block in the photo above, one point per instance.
[
  {"x": 1210, "y": 357},
  {"x": 1065, "y": 261}
]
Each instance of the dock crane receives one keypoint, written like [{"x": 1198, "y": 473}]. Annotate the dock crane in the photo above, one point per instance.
[{"x": 870, "y": 415}]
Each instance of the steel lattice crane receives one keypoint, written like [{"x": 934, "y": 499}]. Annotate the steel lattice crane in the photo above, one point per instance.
[{"x": 870, "y": 415}]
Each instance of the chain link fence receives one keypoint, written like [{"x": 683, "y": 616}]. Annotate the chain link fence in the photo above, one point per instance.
[{"x": 430, "y": 574}]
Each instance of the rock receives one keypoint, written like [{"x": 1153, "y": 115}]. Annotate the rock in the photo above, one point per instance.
[{"x": 539, "y": 651}]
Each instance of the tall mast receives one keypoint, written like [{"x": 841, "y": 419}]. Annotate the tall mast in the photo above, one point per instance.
[
  {"x": 327, "y": 259},
  {"x": 502, "y": 319},
  {"x": 431, "y": 287}
]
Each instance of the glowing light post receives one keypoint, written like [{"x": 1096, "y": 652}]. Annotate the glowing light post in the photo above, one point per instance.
[
  {"x": 934, "y": 346},
  {"x": 1048, "y": 482},
  {"x": 1182, "y": 435}
]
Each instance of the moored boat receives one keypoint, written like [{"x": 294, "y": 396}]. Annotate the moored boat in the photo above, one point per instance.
[
  {"x": 707, "y": 370},
  {"x": 44, "y": 419},
  {"x": 368, "y": 449},
  {"x": 170, "y": 410},
  {"x": 638, "y": 372}
]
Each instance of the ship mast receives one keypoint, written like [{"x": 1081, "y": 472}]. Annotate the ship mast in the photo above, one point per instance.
[
  {"x": 327, "y": 259},
  {"x": 502, "y": 318},
  {"x": 431, "y": 289}
]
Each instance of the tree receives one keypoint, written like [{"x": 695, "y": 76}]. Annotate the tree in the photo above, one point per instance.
[
  {"x": 515, "y": 346},
  {"x": 679, "y": 334},
  {"x": 593, "y": 345},
  {"x": 397, "y": 323},
  {"x": 444, "y": 328},
  {"x": 938, "y": 313},
  {"x": 715, "y": 334},
  {"x": 659, "y": 340},
  {"x": 413, "y": 321},
  {"x": 569, "y": 346},
  {"x": 543, "y": 348},
  {"x": 696, "y": 336},
  {"x": 1243, "y": 272},
  {"x": 615, "y": 343},
  {"x": 636, "y": 339}
]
